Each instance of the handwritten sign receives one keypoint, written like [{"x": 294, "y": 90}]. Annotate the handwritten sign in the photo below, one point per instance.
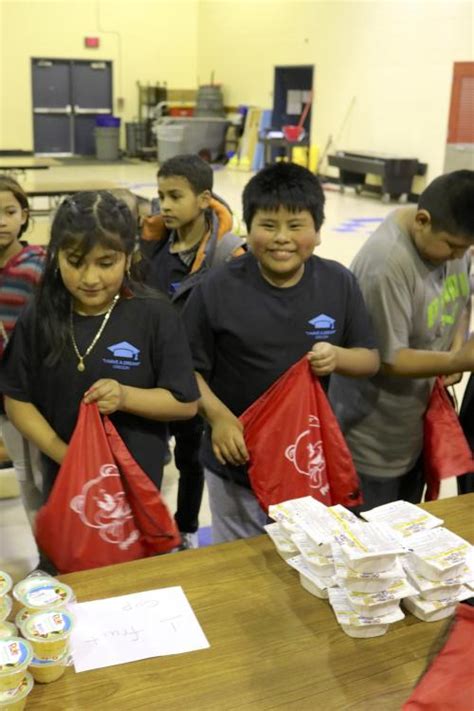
[{"x": 124, "y": 629}]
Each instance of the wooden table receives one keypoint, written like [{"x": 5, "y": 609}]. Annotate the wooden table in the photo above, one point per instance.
[
  {"x": 55, "y": 190},
  {"x": 20, "y": 164},
  {"x": 273, "y": 645}
]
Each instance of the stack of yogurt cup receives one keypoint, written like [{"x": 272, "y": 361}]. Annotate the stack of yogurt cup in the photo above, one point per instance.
[
  {"x": 36, "y": 647},
  {"x": 437, "y": 564},
  {"x": 366, "y": 569}
]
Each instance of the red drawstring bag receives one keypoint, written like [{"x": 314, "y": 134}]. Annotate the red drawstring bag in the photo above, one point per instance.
[
  {"x": 295, "y": 445},
  {"x": 448, "y": 685},
  {"x": 103, "y": 509},
  {"x": 446, "y": 452}
]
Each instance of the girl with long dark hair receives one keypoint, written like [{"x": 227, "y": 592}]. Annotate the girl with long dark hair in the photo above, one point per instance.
[{"x": 94, "y": 334}]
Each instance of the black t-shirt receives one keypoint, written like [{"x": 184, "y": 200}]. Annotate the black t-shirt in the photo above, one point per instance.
[
  {"x": 143, "y": 345},
  {"x": 245, "y": 333},
  {"x": 167, "y": 272}
]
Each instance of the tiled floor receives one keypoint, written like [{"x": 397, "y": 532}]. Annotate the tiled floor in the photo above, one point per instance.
[{"x": 349, "y": 221}]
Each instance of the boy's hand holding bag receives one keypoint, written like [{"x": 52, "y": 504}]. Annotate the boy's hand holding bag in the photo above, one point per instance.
[
  {"x": 296, "y": 447},
  {"x": 103, "y": 509}
]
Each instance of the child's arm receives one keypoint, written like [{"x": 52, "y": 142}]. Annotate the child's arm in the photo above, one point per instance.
[
  {"x": 152, "y": 403},
  {"x": 460, "y": 337},
  {"x": 33, "y": 426},
  {"x": 325, "y": 359},
  {"x": 412, "y": 363},
  {"x": 228, "y": 442}
]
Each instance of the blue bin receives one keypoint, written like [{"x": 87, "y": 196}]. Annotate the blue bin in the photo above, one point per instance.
[{"x": 107, "y": 121}]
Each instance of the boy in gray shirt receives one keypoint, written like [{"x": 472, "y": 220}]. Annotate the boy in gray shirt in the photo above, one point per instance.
[{"x": 414, "y": 275}]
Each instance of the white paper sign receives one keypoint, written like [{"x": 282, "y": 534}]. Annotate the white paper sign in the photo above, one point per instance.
[{"x": 124, "y": 629}]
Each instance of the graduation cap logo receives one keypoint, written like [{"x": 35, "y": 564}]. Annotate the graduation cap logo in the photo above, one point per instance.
[{"x": 124, "y": 350}]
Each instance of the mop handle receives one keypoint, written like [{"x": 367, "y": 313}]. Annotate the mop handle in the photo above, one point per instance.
[{"x": 305, "y": 110}]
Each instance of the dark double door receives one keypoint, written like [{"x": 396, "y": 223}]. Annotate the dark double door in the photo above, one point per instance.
[{"x": 68, "y": 95}]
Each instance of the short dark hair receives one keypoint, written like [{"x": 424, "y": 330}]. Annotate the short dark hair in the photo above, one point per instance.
[
  {"x": 284, "y": 185},
  {"x": 197, "y": 172},
  {"x": 450, "y": 201},
  {"x": 8, "y": 184}
]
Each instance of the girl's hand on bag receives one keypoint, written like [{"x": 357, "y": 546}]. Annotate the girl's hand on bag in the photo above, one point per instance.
[
  {"x": 108, "y": 394},
  {"x": 323, "y": 359},
  {"x": 228, "y": 442}
]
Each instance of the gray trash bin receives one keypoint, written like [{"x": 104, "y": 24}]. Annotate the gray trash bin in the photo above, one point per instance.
[{"x": 107, "y": 138}]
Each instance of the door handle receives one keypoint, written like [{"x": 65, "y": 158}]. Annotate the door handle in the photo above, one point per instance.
[
  {"x": 55, "y": 110},
  {"x": 78, "y": 110}
]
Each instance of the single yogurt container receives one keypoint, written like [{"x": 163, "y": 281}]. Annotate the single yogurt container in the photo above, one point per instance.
[
  {"x": 367, "y": 582},
  {"x": 6, "y": 583},
  {"x": 314, "y": 587},
  {"x": 355, "y": 624},
  {"x": 431, "y": 613},
  {"x": 309, "y": 580},
  {"x": 15, "y": 655},
  {"x": 42, "y": 592},
  {"x": 7, "y": 630},
  {"x": 45, "y": 671},
  {"x": 15, "y": 699},
  {"x": 6, "y": 604},
  {"x": 282, "y": 543},
  {"x": 48, "y": 632}
]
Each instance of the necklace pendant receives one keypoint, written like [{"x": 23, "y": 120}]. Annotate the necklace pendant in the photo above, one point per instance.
[{"x": 80, "y": 366}]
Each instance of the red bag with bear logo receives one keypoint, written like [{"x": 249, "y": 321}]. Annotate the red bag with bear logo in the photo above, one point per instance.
[
  {"x": 295, "y": 445},
  {"x": 103, "y": 509}
]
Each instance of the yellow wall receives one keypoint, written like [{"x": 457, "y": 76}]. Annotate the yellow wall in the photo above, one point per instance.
[
  {"x": 146, "y": 51},
  {"x": 382, "y": 67}
]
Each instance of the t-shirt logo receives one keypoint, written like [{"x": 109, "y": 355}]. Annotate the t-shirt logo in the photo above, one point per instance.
[
  {"x": 125, "y": 356},
  {"x": 323, "y": 326}
]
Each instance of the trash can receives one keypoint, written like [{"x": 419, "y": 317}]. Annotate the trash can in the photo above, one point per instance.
[
  {"x": 135, "y": 133},
  {"x": 107, "y": 137},
  {"x": 170, "y": 141}
]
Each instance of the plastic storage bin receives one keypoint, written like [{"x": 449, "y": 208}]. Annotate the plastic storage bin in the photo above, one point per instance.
[
  {"x": 107, "y": 137},
  {"x": 198, "y": 134},
  {"x": 170, "y": 138}
]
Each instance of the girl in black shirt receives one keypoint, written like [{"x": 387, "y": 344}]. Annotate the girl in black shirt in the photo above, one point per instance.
[{"x": 92, "y": 334}]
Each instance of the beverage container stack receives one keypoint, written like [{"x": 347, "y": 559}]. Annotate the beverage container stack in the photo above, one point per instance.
[{"x": 35, "y": 648}]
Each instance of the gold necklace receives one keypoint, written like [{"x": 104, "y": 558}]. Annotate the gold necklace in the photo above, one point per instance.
[{"x": 80, "y": 366}]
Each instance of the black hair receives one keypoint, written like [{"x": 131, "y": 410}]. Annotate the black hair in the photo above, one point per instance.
[
  {"x": 197, "y": 172},
  {"x": 285, "y": 185},
  {"x": 82, "y": 221},
  {"x": 450, "y": 201},
  {"x": 8, "y": 184}
]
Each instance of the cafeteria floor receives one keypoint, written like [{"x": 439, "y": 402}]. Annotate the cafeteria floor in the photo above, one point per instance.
[{"x": 350, "y": 219}]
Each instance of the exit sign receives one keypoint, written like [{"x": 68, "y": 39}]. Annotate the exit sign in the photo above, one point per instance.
[{"x": 91, "y": 42}]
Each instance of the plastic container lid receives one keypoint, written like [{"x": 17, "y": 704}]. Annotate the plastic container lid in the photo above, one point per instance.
[
  {"x": 8, "y": 698},
  {"x": 50, "y": 625},
  {"x": 15, "y": 654},
  {"x": 107, "y": 121},
  {"x": 5, "y": 583},
  {"x": 39, "y": 593},
  {"x": 8, "y": 630},
  {"x": 6, "y": 604}
]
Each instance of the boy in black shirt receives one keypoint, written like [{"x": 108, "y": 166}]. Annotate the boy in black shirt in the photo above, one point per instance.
[
  {"x": 254, "y": 317},
  {"x": 190, "y": 236}
]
